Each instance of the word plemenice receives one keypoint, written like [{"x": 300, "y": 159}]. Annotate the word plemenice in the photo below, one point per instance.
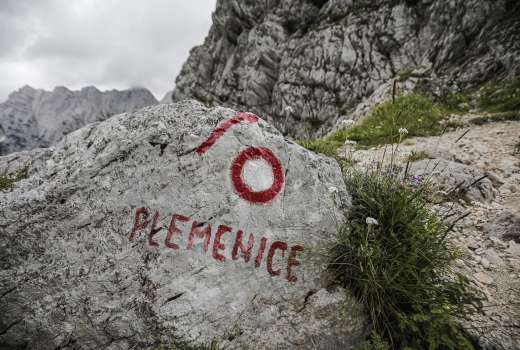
[{"x": 203, "y": 231}]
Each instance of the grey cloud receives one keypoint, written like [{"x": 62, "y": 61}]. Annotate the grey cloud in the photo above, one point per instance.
[
  {"x": 110, "y": 44},
  {"x": 14, "y": 7},
  {"x": 11, "y": 33}
]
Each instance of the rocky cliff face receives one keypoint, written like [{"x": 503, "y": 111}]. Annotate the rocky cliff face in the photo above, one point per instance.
[
  {"x": 323, "y": 58},
  {"x": 32, "y": 118}
]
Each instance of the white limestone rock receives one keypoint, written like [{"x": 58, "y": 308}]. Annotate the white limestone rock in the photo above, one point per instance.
[{"x": 70, "y": 274}]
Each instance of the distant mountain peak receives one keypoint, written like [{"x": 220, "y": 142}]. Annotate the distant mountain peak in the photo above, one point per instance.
[{"x": 32, "y": 118}]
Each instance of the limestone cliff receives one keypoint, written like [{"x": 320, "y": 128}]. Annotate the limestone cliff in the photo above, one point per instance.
[
  {"x": 32, "y": 118},
  {"x": 323, "y": 58}
]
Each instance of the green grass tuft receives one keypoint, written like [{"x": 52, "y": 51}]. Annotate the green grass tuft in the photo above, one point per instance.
[
  {"x": 324, "y": 146},
  {"x": 414, "y": 112},
  {"x": 453, "y": 124},
  {"x": 422, "y": 117},
  {"x": 500, "y": 97},
  {"x": 457, "y": 102},
  {"x": 415, "y": 156},
  {"x": 496, "y": 117},
  {"x": 7, "y": 182},
  {"x": 399, "y": 269}
]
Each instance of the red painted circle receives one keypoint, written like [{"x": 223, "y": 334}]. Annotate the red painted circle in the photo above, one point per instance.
[{"x": 245, "y": 191}]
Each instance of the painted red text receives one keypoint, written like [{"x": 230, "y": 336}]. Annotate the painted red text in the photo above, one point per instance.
[{"x": 280, "y": 257}]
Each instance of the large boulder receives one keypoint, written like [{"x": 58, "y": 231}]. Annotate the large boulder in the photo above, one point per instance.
[{"x": 175, "y": 224}]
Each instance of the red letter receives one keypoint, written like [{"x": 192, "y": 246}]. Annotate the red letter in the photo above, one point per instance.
[
  {"x": 276, "y": 245},
  {"x": 201, "y": 233},
  {"x": 173, "y": 229},
  {"x": 217, "y": 245},
  {"x": 242, "y": 189},
  {"x": 293, "y": 262},
  {"x": 154, "y": 230},
  {"x": 246, "y": 253},
  {"x": 260, "y": 254},
  {"x": 138, "y": 226}
]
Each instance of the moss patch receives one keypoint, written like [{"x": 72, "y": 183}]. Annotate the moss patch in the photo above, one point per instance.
[
  {"x": 404, "y": 75},
  {"x": 7, "y": 182}
]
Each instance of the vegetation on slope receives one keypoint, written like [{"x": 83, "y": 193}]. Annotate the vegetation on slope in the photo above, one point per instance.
[
  {"x": 500, "y": 97},
  {"x": 422, "y": 117},
  {"x": 416, "y": 113},
  {"x": 393, "y": 254},
  {"x": 496, "y": 117},
  {"x": 493, "y": 97},
  {"x": 7, "y": 182}
]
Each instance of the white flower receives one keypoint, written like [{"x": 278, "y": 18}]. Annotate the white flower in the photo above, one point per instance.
[
  {"x": 371, "y": 221},
  {"x": 333, "y": 189},
  {"x": 289, "y": 109},
  {"x": 403, "y": 131}
]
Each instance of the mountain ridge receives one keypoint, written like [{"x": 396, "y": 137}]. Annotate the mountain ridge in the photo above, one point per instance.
[{"x": 33, "y": 118}]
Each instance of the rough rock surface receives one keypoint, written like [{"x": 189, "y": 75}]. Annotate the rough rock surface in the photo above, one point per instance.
[
  {"x": 323, "y": 58},
  {"x": 463, "y": 181},
  {"x": 32, "y": 118},
  {"x": 81, "y": 269}
]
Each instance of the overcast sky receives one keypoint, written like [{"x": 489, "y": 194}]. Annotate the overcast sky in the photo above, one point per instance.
[{"x": 106, "y": 43}]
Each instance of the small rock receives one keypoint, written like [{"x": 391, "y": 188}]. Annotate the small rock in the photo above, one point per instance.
[
  {"x": 497, "y": 242},
  {"x": 483, "y": 277},
  {"x": 485, "y": 263},
  {"x": 492, "y": 256},
  {"x": 514, "y": 248},
  {"x": 472, "y": 244}
]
